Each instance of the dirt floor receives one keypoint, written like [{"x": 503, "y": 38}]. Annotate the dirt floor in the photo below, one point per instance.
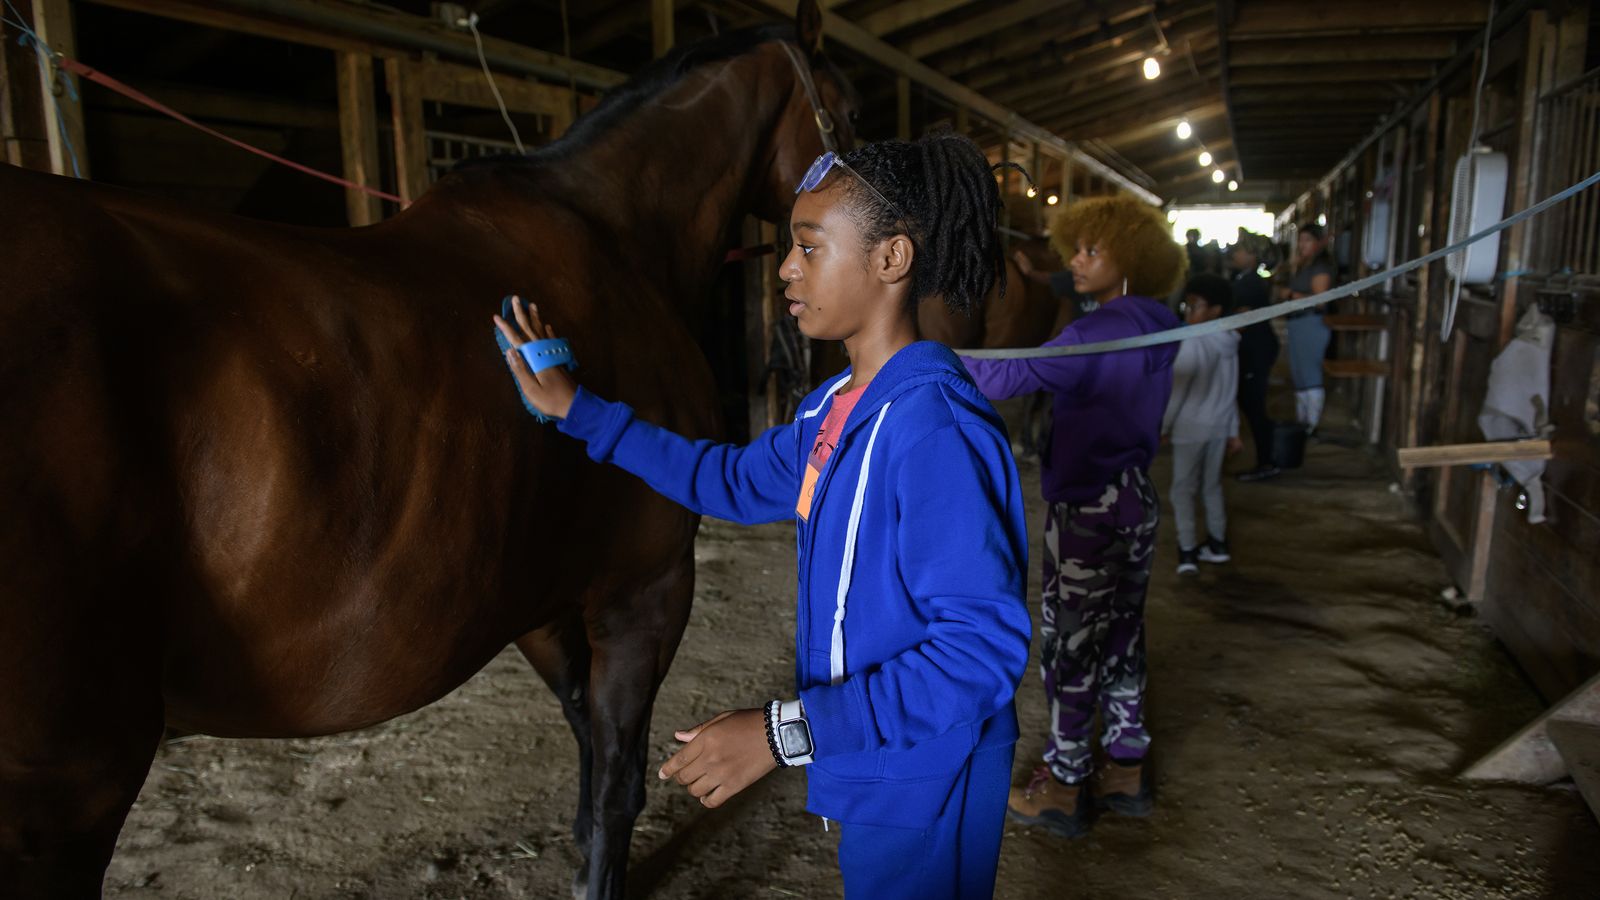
[{"x": 1310, "y": 704}]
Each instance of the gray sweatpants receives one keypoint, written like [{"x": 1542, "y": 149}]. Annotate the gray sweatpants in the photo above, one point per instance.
[{"x": 1197, "y": 469}]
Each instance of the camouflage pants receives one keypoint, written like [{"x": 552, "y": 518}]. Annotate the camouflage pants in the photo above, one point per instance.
[{"x": 1096, "y": 570}]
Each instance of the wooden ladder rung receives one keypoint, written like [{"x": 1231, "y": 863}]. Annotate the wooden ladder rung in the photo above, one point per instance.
[
  {"x": 1356, "y": 322},
  {"x": 1579, "y": 746},
  {"x": 1355, "y": 368}
]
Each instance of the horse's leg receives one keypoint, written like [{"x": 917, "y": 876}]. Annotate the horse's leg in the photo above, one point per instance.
[
  {"x": 80, "y": 720},
  {"x": 560, "y": 654},
  {"x": 633, "y": 638}
]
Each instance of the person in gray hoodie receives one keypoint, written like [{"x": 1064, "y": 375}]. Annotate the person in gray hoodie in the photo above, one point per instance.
[{"x": 1202, "y": 422}]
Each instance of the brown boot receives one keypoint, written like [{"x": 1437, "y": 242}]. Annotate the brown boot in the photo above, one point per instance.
[
  {"x": 1064, "y": 809},
  {"x": 1124, "y": 789}
]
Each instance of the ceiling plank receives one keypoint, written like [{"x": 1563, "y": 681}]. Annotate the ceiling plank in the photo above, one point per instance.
[
  {"x": 1276, "y": 76},
  {"x": 1317, "y": 52},
  {"x": 906, "y": 14},
  {"x": 1366, "y": 17},
  {"x": 1108, "y": 126},
  {"x": 1153, "y": 122},
  {"x": 978, "y": 27}
]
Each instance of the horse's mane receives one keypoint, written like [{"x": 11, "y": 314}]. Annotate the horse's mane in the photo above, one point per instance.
[{"x": 626, "y": 99}]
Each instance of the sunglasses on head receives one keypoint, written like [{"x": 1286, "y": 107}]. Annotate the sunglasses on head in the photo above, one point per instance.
[{"x": 825, "y": 164}]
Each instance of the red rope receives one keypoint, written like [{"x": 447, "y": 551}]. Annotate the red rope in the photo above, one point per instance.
[{"x": 83, "y": 71}]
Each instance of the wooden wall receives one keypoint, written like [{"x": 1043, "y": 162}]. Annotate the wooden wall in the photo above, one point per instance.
[{"x": 1538, "y": 586}]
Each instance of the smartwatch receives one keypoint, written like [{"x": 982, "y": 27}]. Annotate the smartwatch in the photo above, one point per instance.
[{"x": 791, "y": 733}]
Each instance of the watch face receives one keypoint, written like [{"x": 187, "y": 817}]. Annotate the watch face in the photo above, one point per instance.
[{"x": 795, "y": 739}]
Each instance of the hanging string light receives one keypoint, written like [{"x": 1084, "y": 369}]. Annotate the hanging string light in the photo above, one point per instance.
[
  {"x": 1205, "y": 158},
  {"x": 1184, "y": 130},
  {"x": 1152, "y": 68},
  {"x": 1217, "y": 175}
]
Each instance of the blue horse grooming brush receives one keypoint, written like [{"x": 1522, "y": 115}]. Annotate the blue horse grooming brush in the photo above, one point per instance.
[{"x": 539, "y": 355}]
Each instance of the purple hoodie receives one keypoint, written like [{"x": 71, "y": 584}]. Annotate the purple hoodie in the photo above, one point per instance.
[{"x": 1108, "y": 406}]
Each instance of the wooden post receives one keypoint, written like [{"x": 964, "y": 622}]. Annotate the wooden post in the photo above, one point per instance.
[
  {"x": 358, "y": 137},
  {"x": 903, "y": 88},
  {"x": 410, "y": 137},
  {"x": 1517, "y": 243},
  {"x": 1066, "y": 180},
  {"x": 661, "y": 36},
  {"x": 63, "y": 118}
]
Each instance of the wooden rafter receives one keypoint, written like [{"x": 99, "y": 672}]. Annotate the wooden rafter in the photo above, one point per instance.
[
  {"x": 1352, "y": 17},
  {"x": 977, "y": 28},
  {"x": 1381, "y": 49},
  {"x": 907, "y": 13}
]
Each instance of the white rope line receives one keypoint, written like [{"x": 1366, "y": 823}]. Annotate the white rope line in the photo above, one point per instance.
[{"x": 1230, "y": 323}]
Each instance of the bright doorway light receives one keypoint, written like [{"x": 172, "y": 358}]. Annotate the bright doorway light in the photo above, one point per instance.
[{"x": 1220, "y": 223}]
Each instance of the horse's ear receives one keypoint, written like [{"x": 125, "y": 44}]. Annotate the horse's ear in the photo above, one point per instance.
[{"x": 808, "y": 25}]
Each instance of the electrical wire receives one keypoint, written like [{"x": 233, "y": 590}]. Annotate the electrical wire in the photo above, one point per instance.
[{"x": 477, "y": 39}]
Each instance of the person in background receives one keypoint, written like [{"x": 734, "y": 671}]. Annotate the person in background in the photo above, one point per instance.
[
  {"x": 1308, "y": 335},
  {"x": 1102, "y": 513},
  {"x": 1202, "y": 423},
  {"x": 1059, "y": 283},
  {"x": 1258, "y": 349}
]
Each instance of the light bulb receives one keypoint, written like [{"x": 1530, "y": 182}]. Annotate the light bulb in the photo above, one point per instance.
[
  {"x": 1217, "y": 176},
  {"x": 1052, "y": 199},
  {"x": 1184, "y": 130},
  {"x": 1152, "y": 69},
  {"x": 1233, "y": 185},
  {"x": 1033, "y": 191},
  {"x": 1205, "y": 158}
]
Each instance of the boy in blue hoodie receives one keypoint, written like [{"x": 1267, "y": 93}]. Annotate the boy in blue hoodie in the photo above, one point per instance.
[
  {"x": 1100, "y": 525},
  {"x": 912, "y": 630}
]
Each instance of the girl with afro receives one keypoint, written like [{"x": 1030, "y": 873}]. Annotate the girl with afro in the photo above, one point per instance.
[{"x": 1100, "y": 525}]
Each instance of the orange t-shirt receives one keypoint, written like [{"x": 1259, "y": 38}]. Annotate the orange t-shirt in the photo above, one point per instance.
[{"x": 827, "y": 439}]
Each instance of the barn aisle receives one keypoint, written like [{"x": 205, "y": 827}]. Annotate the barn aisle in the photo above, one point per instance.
[{"x": 1310, "y": 703}]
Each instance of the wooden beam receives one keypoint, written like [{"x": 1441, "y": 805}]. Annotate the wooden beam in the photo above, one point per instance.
[
  {"x": 662, "y": 13},
  {"x": 853, "y": 37},
  {"x": 1381, "y": 49},
  {"x": 379, "y": 30},
  {"x": 977, "y": 28},
  {"x": 1140, "y": 128},
  {"x": 1106, "y": 124},
  {"x": 410, "y": 137},
  {"x": 358, "y": 137},
  {"x": 1470, "y": 454},
  {"x": 1189, "y": 156},
  {"x": 464, "y": 86},
  {"x": 1528, "y": 756},
  {"x": 906, "y": 14},
  {"x": 1363, "y": 17},
  {"x": 63, "y": 118},
  {"x": 1330, "y": 97},
  {"x": 1579, "y": 746},
  {"x": 1277, "y": 76},
  {"x": 1226, "y": 13}
]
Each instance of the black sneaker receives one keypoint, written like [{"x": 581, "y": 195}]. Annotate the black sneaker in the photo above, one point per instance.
[
  {"x": 1260, "y": 473},
  {"x": 1214, "y": 551},
  {"x": 1188, "y": 562}
]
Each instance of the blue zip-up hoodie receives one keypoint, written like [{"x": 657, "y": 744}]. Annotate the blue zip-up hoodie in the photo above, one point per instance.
[{"x": 912, "y": 666}]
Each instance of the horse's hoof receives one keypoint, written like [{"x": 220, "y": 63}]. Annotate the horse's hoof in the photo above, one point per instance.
[{"x": 580, "y": 885}]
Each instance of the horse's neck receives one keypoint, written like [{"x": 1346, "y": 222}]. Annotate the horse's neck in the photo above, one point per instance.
[{"x": 678, "y": 172}]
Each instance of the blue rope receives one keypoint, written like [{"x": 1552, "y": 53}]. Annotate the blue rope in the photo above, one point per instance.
[
  {"x": 1280, "y": 309},
  {"x": 28, "y": 38}
]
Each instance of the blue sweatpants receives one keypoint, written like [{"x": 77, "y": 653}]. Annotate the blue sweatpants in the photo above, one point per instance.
[{"x": 955, "y": 858}]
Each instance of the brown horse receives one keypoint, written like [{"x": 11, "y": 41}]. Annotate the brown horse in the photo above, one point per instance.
[{"x": 272, "y": 481}]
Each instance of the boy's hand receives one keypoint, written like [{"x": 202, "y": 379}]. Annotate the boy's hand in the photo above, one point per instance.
[
  {"x": 1234, "y": 445},
  {"x": 722, "y": 756},
  {"x": 550, "y": 391}
]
